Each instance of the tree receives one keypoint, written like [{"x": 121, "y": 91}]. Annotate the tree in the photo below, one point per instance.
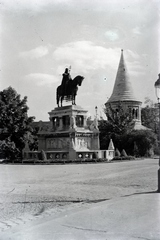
[
  {"x": 120, "y": 128},
  {"x": 106, "y": 131},
  {"x": 135, "y": 150},
  {"x": 149, "y": 115},
  {"x": 120, "y": 118},
  {"x": 140, "y": 142},
  {"x": 119, "y": 122},
  {"x": 33, "y": 139},
  {"x": 14, "y": 122}
]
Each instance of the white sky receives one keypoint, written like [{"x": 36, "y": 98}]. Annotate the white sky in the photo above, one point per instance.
[{"x": 40, "y": 38}]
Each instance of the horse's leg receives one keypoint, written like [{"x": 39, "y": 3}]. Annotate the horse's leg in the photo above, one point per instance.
[
  {"x": 58, "y": 100},
  {"x": 74, "y": 95},
  {"x": 74, "y": 99},
  {"x": 61, "y": 100}
]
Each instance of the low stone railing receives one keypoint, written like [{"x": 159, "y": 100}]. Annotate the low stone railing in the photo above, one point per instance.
[{"x": 63, "y": 156}]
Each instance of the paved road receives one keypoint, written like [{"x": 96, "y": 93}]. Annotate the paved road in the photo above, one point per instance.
[{"x": 28, "y": 192}]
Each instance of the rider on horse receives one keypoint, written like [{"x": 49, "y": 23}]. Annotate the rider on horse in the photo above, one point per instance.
[
  {"x": 66, "y": 77},
  {"x": 69, "y": 92}
]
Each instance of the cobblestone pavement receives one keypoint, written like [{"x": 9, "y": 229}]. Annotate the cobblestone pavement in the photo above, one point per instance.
[{"x": 31, "y": 191}]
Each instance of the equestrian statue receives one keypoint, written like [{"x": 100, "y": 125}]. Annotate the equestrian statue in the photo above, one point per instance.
[{"x": 68, "y": 88}]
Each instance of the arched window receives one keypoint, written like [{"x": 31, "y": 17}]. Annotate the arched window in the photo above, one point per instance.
[
  {"x": 79, "y": 121},
  {"x": 136, "y": 113},
  {"x": 66, "y": 121},
  {"x": 133, "y": 113},
  {"x": 55, "y": 121}
]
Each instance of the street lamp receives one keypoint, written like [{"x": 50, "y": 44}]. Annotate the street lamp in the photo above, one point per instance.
[
  {"x": 96, "y": 108},
  {"x": 157, "y": 88}
]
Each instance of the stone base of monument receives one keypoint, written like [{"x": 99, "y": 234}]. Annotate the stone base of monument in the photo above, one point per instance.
[
  {"x": 69, "y": 138},
  {"x": 63, "y": 157}
]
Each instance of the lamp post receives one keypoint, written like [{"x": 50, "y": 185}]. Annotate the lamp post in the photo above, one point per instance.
[
  {"x": 157, "y": 88},
  {"x": 96, "y": 108}
]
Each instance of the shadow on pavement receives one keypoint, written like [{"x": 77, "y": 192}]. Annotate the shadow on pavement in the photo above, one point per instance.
[{"x": 139, "y": 193}]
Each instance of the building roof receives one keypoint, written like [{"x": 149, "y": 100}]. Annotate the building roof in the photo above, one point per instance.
[{"x": 122, "y": 90}]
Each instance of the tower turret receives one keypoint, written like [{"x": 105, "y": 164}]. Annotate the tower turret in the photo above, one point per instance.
[{"x": 123, "y": 92}]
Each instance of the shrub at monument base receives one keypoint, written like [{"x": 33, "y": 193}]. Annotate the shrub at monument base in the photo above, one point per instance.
[
  {"x": 117, "y": 153},
  {"x": 123, "y": 158},
  {"x": 123, "y": 153}
]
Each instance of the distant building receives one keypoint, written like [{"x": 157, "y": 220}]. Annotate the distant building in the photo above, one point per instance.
[{"x": 123, "y": 93}]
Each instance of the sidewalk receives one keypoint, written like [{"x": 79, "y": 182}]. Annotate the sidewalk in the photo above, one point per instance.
[{"x": 125, "y": 218}]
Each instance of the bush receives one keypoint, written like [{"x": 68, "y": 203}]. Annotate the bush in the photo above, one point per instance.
[
  {"x": 124, "y": 158},
  {"x": 138, "y": 143},
  {"x": 141, "y": 142},
  {"x": 117, "y": 153},
  {"x": 128, "y": 158},
  {"x": 123, "y": 153},
  {"x": 117, "y": 158},
  {"x": 9, "y": 149}
]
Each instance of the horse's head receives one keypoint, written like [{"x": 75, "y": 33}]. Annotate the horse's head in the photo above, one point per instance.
[{"x": 79, "y": 80}]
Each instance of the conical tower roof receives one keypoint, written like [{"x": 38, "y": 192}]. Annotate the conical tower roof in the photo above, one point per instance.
[{"x": 122, "y": 90}]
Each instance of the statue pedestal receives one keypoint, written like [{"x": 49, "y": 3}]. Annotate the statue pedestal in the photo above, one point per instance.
[
  {"x": 69, "y": 135},
  {"x": 69, "y": 138}
]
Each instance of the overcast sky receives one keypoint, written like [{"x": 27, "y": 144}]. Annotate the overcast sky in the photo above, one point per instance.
[{"x": 40, "y": 38}]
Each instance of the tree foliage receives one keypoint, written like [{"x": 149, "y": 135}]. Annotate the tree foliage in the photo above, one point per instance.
[
  {"x": 149, "y": 115},
  {"x": 118, "y": 122},
  {"x": 140, "y": 142},
  {"x": 136, "y": 142},
  {"x": 106, "y": 130},
  {"x": 14, "y": 122},
  {"x": 120, "y": 128},
  {"x": 120, "y": 118}
]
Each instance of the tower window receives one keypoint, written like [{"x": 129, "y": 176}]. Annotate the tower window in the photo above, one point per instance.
[{"x": 134, "y": 112}]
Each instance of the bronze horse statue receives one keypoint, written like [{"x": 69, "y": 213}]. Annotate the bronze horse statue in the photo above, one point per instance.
[{"x": 70, "y": 91}]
